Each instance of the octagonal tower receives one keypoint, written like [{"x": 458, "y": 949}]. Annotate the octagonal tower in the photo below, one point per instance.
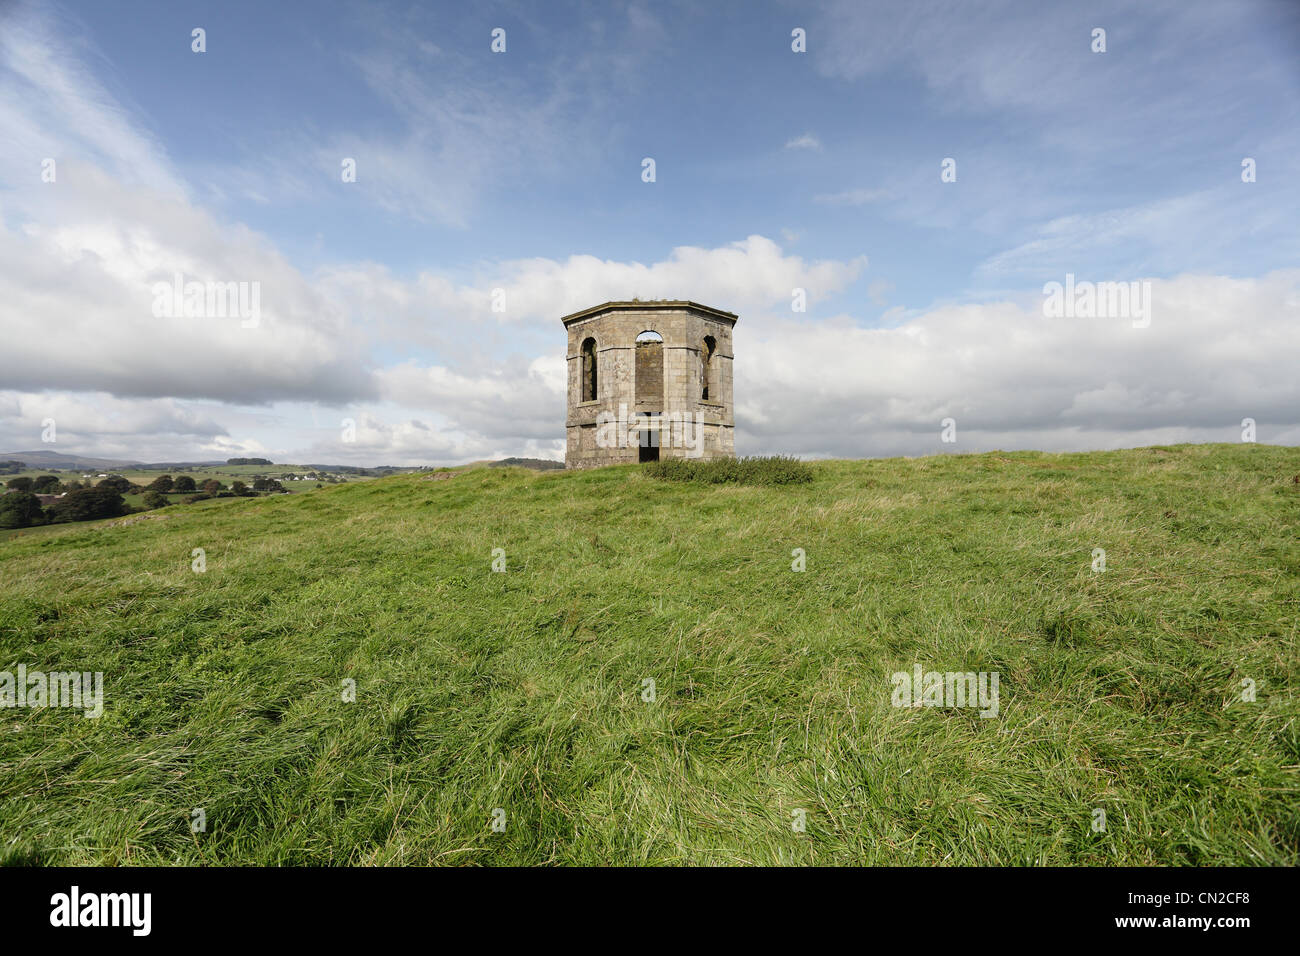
[{"x": 649, "y": 380}]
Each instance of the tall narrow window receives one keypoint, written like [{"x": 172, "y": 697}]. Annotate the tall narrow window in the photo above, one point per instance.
[
  {"x": 706, "y": 372},
  {"x": 649, "y": 372},
  {"x": 589, "y": 370}
]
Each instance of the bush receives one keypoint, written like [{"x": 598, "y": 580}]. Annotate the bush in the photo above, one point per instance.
[
  {"x": 155, "y": 499},
  {"x": 20, "y": 509},
  {"x": 774, "y": 470},
  {"x": 212, "y": 486},
  {"x": 193, "y": 498}
]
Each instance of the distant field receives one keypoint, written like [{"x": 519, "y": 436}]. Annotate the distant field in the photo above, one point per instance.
[
  {"x": 223, "y": 473},
  {"x": 526, "y": 691}
]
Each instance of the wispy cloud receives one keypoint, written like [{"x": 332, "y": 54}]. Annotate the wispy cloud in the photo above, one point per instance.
[
  {"x": 54, "y": 107},
  {"x": 806, "y": 141},
  {"x": 852, "y": 197}
]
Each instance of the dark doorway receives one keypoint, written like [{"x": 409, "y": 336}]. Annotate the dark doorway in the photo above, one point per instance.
[{"x": 648, "y": 450}]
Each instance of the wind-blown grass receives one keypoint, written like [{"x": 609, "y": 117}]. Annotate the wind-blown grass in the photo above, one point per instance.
[
  {"x": 774, "y": 470},
  {"x": 523, "y": 690}
]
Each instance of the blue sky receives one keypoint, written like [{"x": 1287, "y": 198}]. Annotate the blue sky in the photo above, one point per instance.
[{"x": 522, "y": 170}]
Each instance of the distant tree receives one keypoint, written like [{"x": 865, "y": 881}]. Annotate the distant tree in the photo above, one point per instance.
[
  {"x": 163, "y": 484},
  {"x": 183, "y": 483},
  {"x": 267, "y": 484},
  {"x": 117, "y": 483},
  {"x": 155, "y": 499},
  {"x": 20, "y": 484},
  {"x": 212, "y": 486},
  {"x": 45, "y": 484},
  {"x": 11, "y": 467},
  {"x": 239, "y": 488},
  {"x": 247, "y": 461},
  {"x": 87, "y": 504},
  {"x": 20, "y": 509},
  {"x": 193, "y": 498}
]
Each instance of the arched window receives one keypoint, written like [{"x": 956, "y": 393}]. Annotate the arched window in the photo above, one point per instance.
[
  {"x": 649, "y": 371},
  {"x": 707, "y": 369},
  {"x": 589, "y": 370}
]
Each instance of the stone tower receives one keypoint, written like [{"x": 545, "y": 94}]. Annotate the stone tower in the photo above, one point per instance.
[{"x": 649, "y": 380}]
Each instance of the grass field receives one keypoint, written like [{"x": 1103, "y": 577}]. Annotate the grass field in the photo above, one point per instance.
[{"x": 524, "y": 690}]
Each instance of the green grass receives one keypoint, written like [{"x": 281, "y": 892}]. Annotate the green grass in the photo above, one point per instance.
[
  {"x": 776, "y": 470},
  {"x": 523, "y": 690}
]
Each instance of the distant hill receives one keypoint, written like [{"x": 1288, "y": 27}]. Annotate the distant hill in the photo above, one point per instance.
[
  {"x": 379, "y": 471},
  {"x": 54, "y": 459},
  {"x": 537, "y": 464},
  {"x": 180, "y": 465}
]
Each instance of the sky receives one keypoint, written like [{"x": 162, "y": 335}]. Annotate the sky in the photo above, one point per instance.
[{"x": 920, "y": 173}]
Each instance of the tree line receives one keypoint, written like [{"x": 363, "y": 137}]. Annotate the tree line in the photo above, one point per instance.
[{"x": 20, "y": 506}]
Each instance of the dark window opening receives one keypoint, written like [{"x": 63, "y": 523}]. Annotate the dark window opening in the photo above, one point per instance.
[
  {"x": 706, "y": 371},
  {"x": 589, "y": 370}
]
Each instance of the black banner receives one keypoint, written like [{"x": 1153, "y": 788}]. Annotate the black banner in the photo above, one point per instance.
[{"x": 338, "y": 905}]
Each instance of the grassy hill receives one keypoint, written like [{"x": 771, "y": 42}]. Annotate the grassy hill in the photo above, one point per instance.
[{"x": 1119, "y": 690}]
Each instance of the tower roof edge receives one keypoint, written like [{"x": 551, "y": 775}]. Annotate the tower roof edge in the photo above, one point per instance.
[{"x": 658, "y": 304}]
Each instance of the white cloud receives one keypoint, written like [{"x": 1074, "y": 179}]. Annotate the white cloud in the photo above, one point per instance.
[
  {"x": 104, "y": 425},
  {"x": 749, "y": 274},
  {"x": 1217, "y": 350},
  {"x": 806, "y": 141},
  {"x": 76, "y": 302}
]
